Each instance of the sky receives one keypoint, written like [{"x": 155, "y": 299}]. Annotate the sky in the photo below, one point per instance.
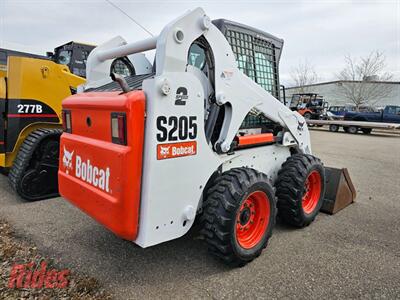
[{"x": 321, "y": 32}]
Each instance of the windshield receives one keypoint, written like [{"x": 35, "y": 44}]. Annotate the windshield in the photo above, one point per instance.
[{"x": 295, "y": 101}]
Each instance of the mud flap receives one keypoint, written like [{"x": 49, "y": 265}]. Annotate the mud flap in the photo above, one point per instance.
[{"x": 340, "y": 191}]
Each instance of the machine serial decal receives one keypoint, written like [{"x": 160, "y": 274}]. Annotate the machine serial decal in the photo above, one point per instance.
[
  {"x": 174, "y": 150},
  {"x": 176, "y": 129},
  {"x": 86, "y": 171},
  {"x": 29, "y": 108}
]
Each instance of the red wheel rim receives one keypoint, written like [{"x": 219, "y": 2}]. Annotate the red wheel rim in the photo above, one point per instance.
[
  {"x": 252, "y": 220},
  {"x": 312, "y": 193}
]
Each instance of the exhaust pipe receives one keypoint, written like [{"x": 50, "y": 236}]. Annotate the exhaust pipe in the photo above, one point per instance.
[{"x": 121, "y": 81}]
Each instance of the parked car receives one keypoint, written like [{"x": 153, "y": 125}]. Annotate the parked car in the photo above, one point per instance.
[{"x": 390, "y": 114}]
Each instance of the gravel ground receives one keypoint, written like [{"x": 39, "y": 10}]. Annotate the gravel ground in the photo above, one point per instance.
[
  {"x": 353, "y": 254},
  {"x": 16, "y": 251}
]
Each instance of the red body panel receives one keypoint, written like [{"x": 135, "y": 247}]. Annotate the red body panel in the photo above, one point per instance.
[{"x": 102, "y": 178}]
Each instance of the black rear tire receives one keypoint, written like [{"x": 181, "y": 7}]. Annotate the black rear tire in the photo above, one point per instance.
[
  {"x": 223, "y": 211},
  {"x": 352, "y": 130},
  {"x": 292, "y": 192}
]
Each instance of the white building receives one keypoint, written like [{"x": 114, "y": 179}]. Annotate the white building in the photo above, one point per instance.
[{"x": 331, "y": 92}]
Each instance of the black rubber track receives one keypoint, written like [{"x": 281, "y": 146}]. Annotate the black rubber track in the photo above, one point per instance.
[
  {"x": 24, "y": 156},
  {"x": 290, "y": 187},
  {"x": 222, "y": 202}
]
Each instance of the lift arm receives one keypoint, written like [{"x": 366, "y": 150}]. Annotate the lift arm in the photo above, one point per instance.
[{"x": 233, "y": 89}]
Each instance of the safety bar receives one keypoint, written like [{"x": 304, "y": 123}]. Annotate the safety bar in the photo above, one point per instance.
[
  {"x": 131, "y": 48},
  {"x": 255, "y": 139}
]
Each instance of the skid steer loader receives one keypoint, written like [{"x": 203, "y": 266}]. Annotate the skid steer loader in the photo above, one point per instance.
[
  {"x": 31, "y": 90},
  {"x": 203, "y": 137}
]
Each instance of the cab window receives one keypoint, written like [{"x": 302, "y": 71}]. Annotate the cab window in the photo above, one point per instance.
[
  {"x": 255, "y": 58},
  {"x": 264, "y": 71},
  {"x": 64, "y": 57},
  {"x": 3, "y": 58},
  {"x": 393, "y": 110},
  {"x": 197, "y": 56}
]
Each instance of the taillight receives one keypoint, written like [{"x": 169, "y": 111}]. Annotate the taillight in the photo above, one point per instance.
[
  {"x": 118, "y": 128},
  {"x": 66, "y": 119}
]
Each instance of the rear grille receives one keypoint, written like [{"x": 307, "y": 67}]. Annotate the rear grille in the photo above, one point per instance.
[{"x": 135, "y": 83}]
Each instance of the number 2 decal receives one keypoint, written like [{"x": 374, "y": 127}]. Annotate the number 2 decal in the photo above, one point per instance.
[
  {"x": 174, "y": 128},
  {"x": 29, "y": 108}
]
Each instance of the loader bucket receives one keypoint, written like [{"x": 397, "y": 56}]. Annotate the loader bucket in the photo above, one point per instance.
[{"x": 339, "y": 192}]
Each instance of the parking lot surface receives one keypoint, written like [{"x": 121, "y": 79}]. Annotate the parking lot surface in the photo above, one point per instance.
[{"x": 355, "y": 253}]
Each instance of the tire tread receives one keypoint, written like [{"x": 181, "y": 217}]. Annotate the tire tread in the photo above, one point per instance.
[
  {"x": 222, "y": 200},
  {"x": 290, "y": 187}
]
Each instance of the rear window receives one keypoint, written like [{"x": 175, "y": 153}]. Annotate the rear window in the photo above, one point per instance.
[
  {"x": 393, "y": 110},
  {"x": 256, "y": 59}
]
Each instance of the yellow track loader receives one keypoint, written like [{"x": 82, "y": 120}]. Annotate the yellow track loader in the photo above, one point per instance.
[{"x": 31, "y": 90}]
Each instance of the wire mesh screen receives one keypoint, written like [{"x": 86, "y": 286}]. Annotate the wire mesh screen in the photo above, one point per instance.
[{"x": 255, "y": 58}]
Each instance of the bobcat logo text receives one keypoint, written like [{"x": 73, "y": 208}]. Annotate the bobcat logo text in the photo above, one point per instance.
[
  {"x": 175, "y": 150},
  {"x": 87, "y": 171}
]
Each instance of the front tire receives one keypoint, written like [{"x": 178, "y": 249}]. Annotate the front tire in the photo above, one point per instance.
[
  {"x": 239, "y": 215},
  {"x": 300, "y": 189}
]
